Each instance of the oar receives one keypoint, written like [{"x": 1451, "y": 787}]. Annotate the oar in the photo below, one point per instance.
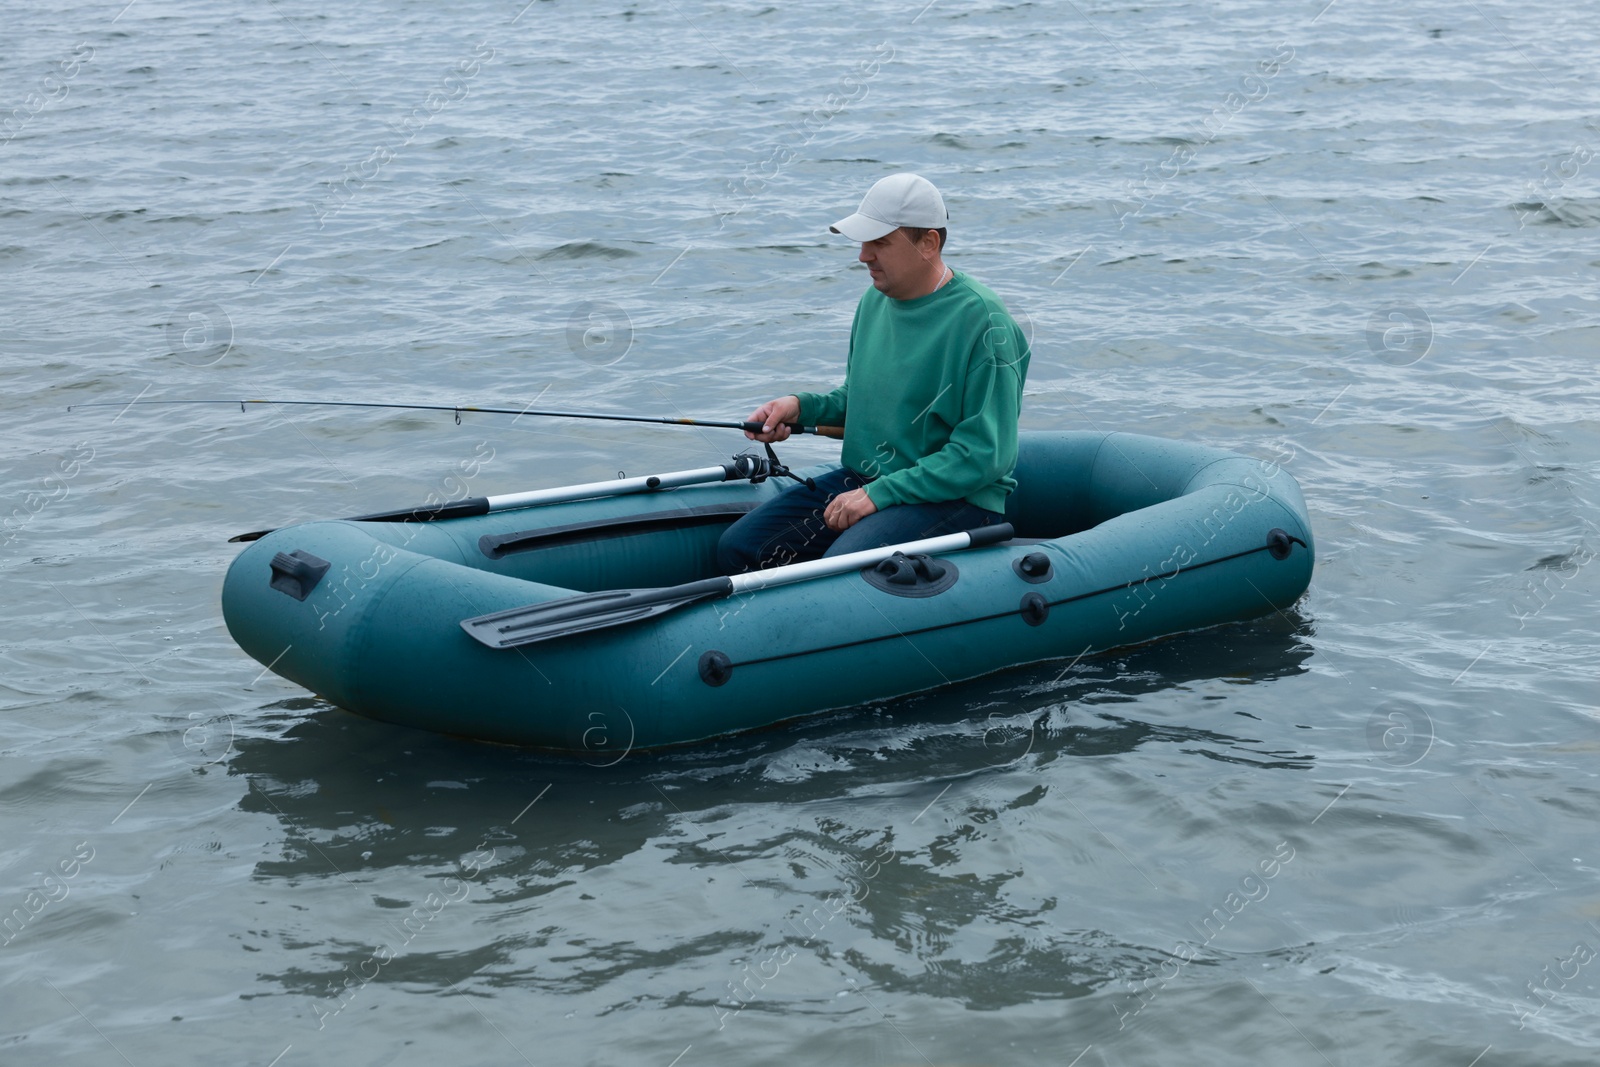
[
  {"x": 616, "y": 607},
  {"x": 749, "y": 427},
  {"x": 741, "y": 468}
]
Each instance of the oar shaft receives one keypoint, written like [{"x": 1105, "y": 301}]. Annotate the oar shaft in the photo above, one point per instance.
[
  {"x": 586, "y": 612},
  {"x": 592, "y": 604},
  {"x": 750, "y": 581},
  {"x": 741, "y": 467},
  {"x": 615, "y": 487}
]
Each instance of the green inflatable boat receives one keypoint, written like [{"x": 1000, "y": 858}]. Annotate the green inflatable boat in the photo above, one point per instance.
[{"x": 591, "y": 618}]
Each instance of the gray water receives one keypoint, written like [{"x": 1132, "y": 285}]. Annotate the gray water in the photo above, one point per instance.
[{"x": 1358, "y": 239}]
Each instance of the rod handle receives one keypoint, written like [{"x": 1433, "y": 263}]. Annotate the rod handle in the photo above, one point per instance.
[{"x": 836, "y": 432}]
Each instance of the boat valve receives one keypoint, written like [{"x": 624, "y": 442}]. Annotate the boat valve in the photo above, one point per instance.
[
  {"x": 1034, "y": 609},
  {"x": 1034, "y": 567},
  {"x": 715, "y": 668},
  {"x": 1280, "y": 542}
]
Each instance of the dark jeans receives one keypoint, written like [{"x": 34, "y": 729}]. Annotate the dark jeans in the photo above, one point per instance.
[{"x": 789, "y": 528}]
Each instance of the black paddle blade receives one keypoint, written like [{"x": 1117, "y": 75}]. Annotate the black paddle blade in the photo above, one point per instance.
[
  {"x": 591, "y": 611},
  {"x": 473, "y": 505}
]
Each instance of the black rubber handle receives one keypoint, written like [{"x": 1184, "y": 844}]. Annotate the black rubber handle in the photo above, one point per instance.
[
  {"x": 991, "y": 535},
  {"x": 794, "y": 427}
]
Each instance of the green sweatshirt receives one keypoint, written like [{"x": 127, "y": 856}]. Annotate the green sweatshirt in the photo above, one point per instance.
[{"x": 932, "y": 388}]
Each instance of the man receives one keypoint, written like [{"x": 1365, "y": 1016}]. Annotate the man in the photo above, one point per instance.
[{"x": 932, "y": 388}]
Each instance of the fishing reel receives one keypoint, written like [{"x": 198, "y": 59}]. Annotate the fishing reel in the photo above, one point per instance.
[{"x": 757, "y": 469}]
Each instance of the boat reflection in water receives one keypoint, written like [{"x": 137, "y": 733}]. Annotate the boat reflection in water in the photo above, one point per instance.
[{"x": 454, "y": 861}]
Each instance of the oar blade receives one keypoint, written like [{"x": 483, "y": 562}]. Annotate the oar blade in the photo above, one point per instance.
[
  {"x": 590, "y": 611},
  {"x": 476, "y": 505}
]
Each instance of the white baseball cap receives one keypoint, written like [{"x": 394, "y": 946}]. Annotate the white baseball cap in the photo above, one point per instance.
[{"x": 895, "y": 201}]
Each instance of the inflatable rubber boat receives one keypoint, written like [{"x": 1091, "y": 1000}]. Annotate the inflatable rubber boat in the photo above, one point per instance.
[{"x": 592, "y": 617}]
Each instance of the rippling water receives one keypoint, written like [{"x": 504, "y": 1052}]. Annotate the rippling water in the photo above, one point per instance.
[{"x": 1360, "y": 239}]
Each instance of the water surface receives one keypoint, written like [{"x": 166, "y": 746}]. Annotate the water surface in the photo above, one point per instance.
[{"x": 1354, "y": 239}]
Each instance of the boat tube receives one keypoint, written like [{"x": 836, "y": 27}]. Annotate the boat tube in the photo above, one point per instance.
[{"x": 601, "y": 621}]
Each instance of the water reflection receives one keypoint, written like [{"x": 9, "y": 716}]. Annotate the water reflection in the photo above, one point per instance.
[
  {"x": 786, "y": 813},
  {"x": 356, "y": 786}
]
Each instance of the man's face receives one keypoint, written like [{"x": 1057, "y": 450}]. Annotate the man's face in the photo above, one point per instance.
[{"x": 896, "y": 265}]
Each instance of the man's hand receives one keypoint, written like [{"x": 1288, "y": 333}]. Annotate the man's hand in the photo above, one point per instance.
[
  {"x": 774, "y": 416},
  {"x": 847, "y": 509}
]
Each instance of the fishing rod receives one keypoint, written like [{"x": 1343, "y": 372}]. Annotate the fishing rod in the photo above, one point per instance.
[{"x": 749, "y": 427}]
